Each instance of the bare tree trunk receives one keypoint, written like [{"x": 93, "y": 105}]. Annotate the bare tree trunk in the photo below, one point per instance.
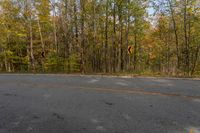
[
  {"x": 82, "y": 37},
  {"x": 189, "y": 38},
  {"x": 32, "y": 59},
  {"x": 175, "y": 33},
  {"x": 94, "y": 38},
  {"x": 75, "y": 23},
  {"x": 6, "y": 63},
  {"x": 41, "y": 37},
  {"x": 135, "y": 52},
  {"x": 127, "y": 57},
  {"x": 42, "y": 42},
  {"x": 66, "y": 26},
  {"x": 187, "y": 62},
  {"x": 31, "y": 47},
  {"x": 114, "y": 38},
  {"x": 106, "y": 40},
  {"x": 54, "y": 28},
  {"x": 120, "y": 56},
  {"x": 121, "y": 48}
]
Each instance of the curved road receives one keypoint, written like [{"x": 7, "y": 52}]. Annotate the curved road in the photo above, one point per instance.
[{"x": 94, "y": 104}]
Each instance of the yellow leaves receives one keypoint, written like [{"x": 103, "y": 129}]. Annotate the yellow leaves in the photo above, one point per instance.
[
  {"x": 152, "y": 56},
  {"x": 21, "y": 35},
  {"x": 1, "y": 23}
]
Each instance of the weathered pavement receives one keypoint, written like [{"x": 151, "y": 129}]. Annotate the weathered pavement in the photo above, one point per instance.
[{"x": 87, "y": 104}]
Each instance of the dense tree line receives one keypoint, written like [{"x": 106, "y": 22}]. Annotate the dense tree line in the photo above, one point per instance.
[{"x": 92, "y": 36}]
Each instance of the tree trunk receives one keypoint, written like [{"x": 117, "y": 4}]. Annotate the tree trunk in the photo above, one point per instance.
[
  {"x": 114, "y": 38},
  {"x": 135, "y": 52},
  {"x": 127, "y": 57},
  {"x": 196, "y": 59},
  {"x": 120, "y": 56},
  {"x": 42, "y": 42},
  {"x": 31, "y": 47},
  {"x": 106, "y": 40},
  {"x": 175, "y": 33},
  {"x": 82, "y": 37},
  {"x": 54, "y": 29},
  {"x": 94, "y": 59},
  {"x": 187, "y": 62}
]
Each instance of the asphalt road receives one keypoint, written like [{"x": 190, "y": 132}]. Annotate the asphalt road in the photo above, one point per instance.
[{"x": 92, "y": 104}]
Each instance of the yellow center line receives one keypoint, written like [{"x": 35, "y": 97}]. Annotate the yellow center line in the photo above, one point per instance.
[
  {"x": 116, "y": 90},
  {"x": 138, "y": 91}
]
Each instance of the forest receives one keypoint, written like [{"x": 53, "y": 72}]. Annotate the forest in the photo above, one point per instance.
[{"x": 93, "y": 36}]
